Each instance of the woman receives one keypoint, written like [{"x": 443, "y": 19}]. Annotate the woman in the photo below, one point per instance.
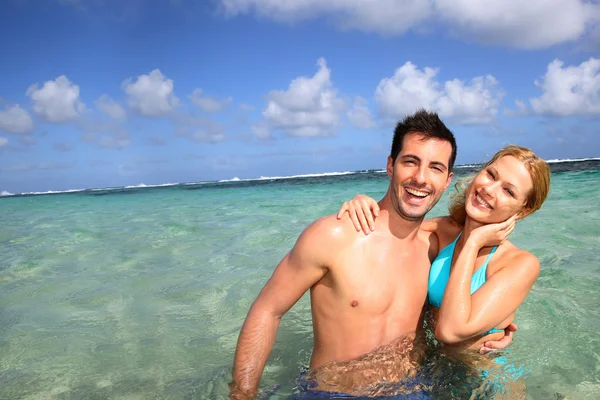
[{"x": 479, "y": 279}]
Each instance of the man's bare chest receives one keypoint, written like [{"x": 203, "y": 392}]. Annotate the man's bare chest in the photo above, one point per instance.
[{"x": 381, "y": 283}]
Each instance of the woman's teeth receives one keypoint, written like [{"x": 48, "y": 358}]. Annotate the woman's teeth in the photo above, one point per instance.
[
  {"x": 482, "y": 201},
  {"x": 416, "y": 192}
]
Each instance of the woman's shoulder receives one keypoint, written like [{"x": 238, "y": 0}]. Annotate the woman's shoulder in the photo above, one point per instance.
[{"x": 514, "y": 257}]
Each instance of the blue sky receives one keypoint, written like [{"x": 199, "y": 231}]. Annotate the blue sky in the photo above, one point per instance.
[{"x": 99, "y": 93}]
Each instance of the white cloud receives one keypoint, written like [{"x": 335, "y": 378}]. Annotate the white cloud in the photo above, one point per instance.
[
  {"x": 261, "y": 130},
  {"x": 200, "y": 129},
  {"x": 57, "y": 100},
  {"x": 570, "y": 90},
  {"x": 387, "y": 17},
  {"x": 309, "y": 107},
  {"x": 521, "y": 110},
  {"x": 14, "y": 119},
  {"x": 110, "y": 107},
  {"x": 107, "y": 135},
  {"x": 410, "y": 88},
  {"x": 151, "y": 95},
  {"x": 208, "y": 104},
  {"x": 359, "y": 115},
  {"x": 3, "y": 141},
  {"x": 531, "y": 24}
]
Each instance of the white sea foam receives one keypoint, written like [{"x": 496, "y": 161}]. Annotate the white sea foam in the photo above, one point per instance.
[
  {"x": 468, "y": 166},
  {"x": 196, "y": 183},
  {"x": 143, "y": 185},
  {"x": 5, "y": 193},
  {"x": 262, "y": 178},
  {"x": 571, "y": 160},
  {"x": 273, "y": 178},
  {"x": 234, "y": 179},
  {"x": 104, "y": 189},
  {"x": 53, "y": 192}
]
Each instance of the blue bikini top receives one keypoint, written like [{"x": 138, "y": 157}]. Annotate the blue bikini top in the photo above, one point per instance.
[{"x": 439, "y": 274}]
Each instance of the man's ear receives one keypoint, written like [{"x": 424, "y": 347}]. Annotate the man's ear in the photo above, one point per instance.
[
  {"x": 390, "y": 167},
  {"x": 449, "y": 180}
]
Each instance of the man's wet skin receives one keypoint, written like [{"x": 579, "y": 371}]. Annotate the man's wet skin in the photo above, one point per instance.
[{"x": 373, "y": 295}]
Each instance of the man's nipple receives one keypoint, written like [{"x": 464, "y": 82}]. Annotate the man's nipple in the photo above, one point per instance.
[{"x": 354, "y": 303}]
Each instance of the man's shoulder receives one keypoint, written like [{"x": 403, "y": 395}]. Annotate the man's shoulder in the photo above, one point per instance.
[
  {"x": 329, "y": 228},
  {"x": 326, "y": 231}
]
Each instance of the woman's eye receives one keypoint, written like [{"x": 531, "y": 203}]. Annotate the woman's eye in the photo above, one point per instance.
[
  {"x": 491, "y": 175},
  {"x": 510, "y": 192}
]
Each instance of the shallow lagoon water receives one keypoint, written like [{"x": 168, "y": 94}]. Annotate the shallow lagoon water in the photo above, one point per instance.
[{"x": 140, "y": 293}]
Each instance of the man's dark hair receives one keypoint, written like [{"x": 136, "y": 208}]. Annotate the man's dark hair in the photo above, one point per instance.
[{"x": 427, "y": 124}]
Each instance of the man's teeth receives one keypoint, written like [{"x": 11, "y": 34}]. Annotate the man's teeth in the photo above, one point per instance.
[
  {"x": 416, "y": 192},
  {"x": 482, "y": 202}
]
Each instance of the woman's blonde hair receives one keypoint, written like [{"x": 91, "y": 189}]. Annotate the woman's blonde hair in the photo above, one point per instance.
[{"x": 540, "y": 176}]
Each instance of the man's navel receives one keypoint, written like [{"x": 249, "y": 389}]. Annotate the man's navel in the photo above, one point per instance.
[{"x": 354, "y": 303}]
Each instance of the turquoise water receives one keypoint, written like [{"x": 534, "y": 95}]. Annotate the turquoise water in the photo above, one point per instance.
[{"x": 140, "y": 293}]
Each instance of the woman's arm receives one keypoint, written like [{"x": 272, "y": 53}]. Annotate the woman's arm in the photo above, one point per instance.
[
  {"x": 364, "y": 210},
  {"x": 462, "y": 315}
]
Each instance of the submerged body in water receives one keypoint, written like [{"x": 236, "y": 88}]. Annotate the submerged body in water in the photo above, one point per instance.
[{"x": 139, "y": 295}]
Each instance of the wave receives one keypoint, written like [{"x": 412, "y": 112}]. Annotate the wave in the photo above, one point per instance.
[
  {"x": 273, "y": 178},
  {"x": 555, "y": 161},
  {"x": 262, "y": 178},
  {"x": 52, "y": 192},
  {"x": 468, "y": 166},
  {"x": 234, "y": 179},
  {"x": 142, "y": 185},
  {"x": 5, "y": 193}
]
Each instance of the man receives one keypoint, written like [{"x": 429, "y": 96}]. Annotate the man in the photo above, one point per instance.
[{"x": 366, "y": 291}]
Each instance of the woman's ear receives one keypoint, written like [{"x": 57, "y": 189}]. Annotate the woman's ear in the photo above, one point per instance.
[{"x": 523, "y": 213}]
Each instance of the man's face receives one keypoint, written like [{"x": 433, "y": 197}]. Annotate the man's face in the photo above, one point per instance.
[{"x": 419, "y": 176}]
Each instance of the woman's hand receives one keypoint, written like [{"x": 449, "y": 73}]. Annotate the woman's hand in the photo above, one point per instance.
[
  {"x": 362, "y": 210},
  {"x": 493, "y": 234},
  {"x": 501, "y": 344}
]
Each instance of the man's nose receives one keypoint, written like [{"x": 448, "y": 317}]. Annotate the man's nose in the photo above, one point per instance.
[{"x": 419, "y": 176}]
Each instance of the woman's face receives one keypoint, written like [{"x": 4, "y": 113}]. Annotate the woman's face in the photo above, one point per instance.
[{"x": 499, "y": 191}]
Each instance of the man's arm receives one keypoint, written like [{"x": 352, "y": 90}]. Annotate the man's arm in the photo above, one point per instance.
[{"x": 300, "y": 269}]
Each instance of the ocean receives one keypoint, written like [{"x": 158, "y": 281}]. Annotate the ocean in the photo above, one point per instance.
[{"x": 140, "y": 292}]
